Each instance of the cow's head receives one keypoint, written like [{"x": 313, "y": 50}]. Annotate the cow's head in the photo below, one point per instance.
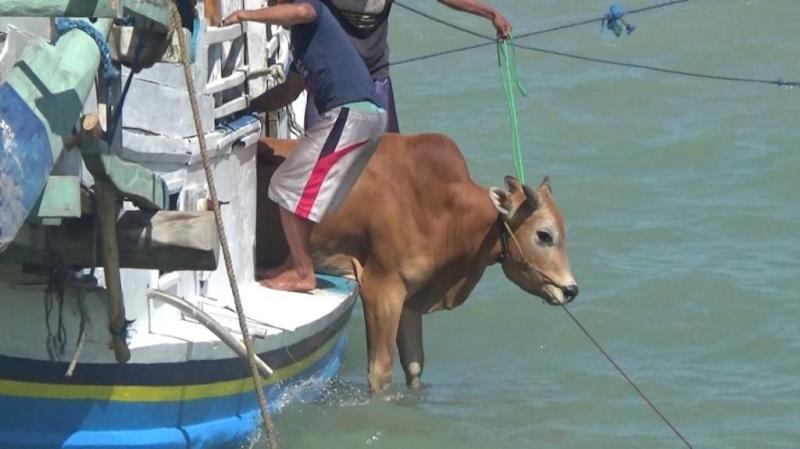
[{"x": 535, "y": 253}]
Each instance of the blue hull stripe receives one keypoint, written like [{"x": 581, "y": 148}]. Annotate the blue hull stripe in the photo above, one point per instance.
[{"x": 222, "y": 422}]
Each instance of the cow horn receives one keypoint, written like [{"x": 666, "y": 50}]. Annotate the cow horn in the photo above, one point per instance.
[
  {"x": 532, "y": 196},
  {"x": 546, "y": 183}
]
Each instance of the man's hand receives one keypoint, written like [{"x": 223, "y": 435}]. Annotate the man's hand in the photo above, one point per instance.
[
  {"x": 232, "y": 19},
  {"x": 502, "y": 25}
]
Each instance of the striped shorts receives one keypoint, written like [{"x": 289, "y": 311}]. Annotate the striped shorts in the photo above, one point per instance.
[{"x": 326, "y": 162}]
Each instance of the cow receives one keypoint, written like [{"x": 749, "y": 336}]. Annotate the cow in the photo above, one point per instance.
[{"x": 417, "y": 233}]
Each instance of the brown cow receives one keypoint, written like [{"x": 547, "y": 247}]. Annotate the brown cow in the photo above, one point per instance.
[{"x": 418, "y": 234}]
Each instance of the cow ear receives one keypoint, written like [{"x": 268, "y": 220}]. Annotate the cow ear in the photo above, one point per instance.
[
  {"x": 513, "y": 184},
  {"x": 507, "y": 202},
  {"x": 500, "y": 199}
]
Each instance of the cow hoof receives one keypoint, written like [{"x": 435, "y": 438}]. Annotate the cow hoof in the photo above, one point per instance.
[
  {"x": 415, "y": 383},
  {"x": 414, "y": 369},
  {"x": 413, "y": 373},
  {"x": 378, "y": 389},
  {"x": 379, "y": 384}
]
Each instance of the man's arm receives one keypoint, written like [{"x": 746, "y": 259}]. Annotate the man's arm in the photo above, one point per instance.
[
  {"x": 501, "y": 24},
  {"x": 280, "y": 95},
  {"x": 285, "y": 15}
]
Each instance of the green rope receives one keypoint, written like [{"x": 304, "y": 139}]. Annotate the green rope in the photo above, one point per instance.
[{"x": 507, "y": 60}]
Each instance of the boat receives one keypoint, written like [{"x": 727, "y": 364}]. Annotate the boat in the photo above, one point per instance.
[{"x": 119, "y": 326}]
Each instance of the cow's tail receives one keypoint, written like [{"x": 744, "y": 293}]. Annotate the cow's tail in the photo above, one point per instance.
[{"x": 358, "y": 269}]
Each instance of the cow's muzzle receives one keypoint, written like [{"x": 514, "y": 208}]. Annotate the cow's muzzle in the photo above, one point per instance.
[
  {"x": 570, "y": 292},
  {"x": 556, "y": 294}
]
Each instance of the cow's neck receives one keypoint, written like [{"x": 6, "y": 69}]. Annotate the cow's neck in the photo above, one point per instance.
[
  {"x": 475, "y": 227},
  {"x": 502, "y": 241},
  {"x": 478, "y": 230},
  {"x": 496, "y": 242},
  {"x": 493, "y": 247}
]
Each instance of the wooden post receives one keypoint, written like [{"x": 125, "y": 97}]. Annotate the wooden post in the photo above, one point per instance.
[
  {"x": 90, "y": 127},
  {"x": 106, "y": 201},
  {"x": 106, "y": 209}
]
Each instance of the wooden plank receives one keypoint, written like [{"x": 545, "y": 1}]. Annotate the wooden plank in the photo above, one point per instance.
[
  {"x": 61, "y": 198},
  {"x": 230, "y": 107},
  {"x": 216, "y": 35},
  {"x": 237, "y": 78},
  {"x": 133, "y": 181},
  {"x": 164, "y": 240},
  {"x": 169, "y": 240}
]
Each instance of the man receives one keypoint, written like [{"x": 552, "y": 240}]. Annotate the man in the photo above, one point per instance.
[
  {"x": 329, "y": 157},
  {"x": 366, "y": 22}
]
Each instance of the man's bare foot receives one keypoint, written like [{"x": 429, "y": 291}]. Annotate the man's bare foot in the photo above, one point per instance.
[
  {"x": 267, "y": 273},
  {"x": 291, "y": 280}
]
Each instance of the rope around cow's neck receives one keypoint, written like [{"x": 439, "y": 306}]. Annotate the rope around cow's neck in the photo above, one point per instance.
[{"x": 585, "y": 331}]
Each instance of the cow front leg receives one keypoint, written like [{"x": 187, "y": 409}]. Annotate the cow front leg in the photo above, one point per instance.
[
  {"x": 382, "y": 296},
  {"x": 409, "y": 345}
]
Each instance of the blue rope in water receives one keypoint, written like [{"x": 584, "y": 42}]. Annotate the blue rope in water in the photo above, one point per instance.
[
  {"x": 612, "y": 21},
  {"x": 64, "y": 25}
]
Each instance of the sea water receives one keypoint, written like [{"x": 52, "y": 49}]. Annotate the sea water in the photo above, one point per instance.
[{"x": 682, "y": 201}]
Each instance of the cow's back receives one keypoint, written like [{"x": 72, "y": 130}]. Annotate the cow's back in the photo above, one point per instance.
[{"x": 399, "y": 208}]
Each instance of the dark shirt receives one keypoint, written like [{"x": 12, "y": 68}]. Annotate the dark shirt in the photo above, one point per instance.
[
  {"x": 368, "y": 31},
  {"x": 332, "y": 69}
]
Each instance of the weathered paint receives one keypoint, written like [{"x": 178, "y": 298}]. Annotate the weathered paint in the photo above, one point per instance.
[
  {"x": 58, "y": 8},
  {"x": 56, "y": 79},
  {"x": 134, "y": 181},
  {"x": 25, "y": 162},
  {"x": 39, "y": 105},
  {"x": 61, "y": 198},
  {"x": 157, "y": 11}
]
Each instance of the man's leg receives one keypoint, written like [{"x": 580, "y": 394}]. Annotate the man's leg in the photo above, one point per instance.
[
  {"x": 299, "y": 270},
  {"x": 315, "y": 179}
]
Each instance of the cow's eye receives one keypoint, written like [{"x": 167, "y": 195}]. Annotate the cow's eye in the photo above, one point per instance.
[{"x": 544, "y": 237}]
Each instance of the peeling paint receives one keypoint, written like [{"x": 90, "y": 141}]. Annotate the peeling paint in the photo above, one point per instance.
[
  {"x": 12, "y": 213},
  {"x": 25, "y": 162}
]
